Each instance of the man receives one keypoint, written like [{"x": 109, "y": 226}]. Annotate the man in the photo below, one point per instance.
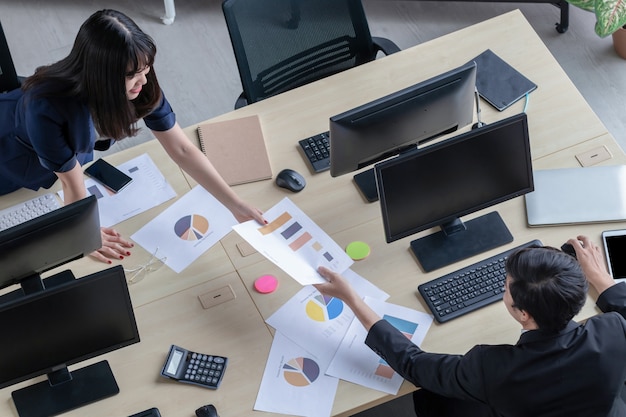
[{"x": 557, "y": 368}]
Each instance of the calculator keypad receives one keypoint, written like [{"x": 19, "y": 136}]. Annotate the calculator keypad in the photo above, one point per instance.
[{"x": 204, "y": 369}]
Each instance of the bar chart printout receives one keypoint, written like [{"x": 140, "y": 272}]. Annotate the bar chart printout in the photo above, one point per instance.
[
  {"x": 354, "y": 361},
  {"x": 292, "y": 241}
]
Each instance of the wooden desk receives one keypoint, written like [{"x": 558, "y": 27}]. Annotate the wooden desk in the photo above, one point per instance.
[
  {"x": 558, "y": 132},
  {"x": 166, "y": 304},
  {"x": 305, "y": 111}
]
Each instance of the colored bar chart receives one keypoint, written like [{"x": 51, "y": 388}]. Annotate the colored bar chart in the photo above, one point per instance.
[
  {"x": 295, "y": 243},
  {"x": 408, "y": 329}
]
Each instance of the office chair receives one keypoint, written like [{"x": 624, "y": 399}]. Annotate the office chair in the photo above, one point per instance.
[
  {"x": 8, "y": 77},
  {"x": 283, "y": 44}
]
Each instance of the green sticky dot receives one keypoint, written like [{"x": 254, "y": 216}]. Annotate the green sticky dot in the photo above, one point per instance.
[{"x": 358, "y": 250}]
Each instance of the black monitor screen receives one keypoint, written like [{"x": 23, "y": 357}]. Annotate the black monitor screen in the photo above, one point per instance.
[
  {"x": 48, "y": 241},
  {"x": 387, "y": 126},
  {"x": 436, "y": 185},
  {"x": 52, "y": 329}
]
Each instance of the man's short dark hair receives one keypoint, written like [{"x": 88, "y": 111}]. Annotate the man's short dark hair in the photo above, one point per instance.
[{"x": 548, "y": 284}]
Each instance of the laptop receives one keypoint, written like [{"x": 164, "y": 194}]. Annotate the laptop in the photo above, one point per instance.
[{"x": 577, "y": 195}]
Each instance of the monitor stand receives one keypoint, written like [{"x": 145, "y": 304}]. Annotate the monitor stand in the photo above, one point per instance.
[
  {"x": 35, "y": 283},
  {"x": 366, "y": 183},
  {"x": 65, "y": 391},
  {"x": 458, "y": 240}
]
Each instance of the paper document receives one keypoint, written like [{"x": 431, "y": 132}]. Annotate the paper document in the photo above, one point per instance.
[
  {"x": 354, "y": 361},
  {"x": 186, "y": 229},
  {"x": 148, "y": 189},
  {"x": 319, "y": 322},
  {"x": 292, "y": 241},
  {"x": 294, "y": 382}
]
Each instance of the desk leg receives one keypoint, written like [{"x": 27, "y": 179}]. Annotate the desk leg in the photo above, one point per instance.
[{"x": 170, "y": 12}]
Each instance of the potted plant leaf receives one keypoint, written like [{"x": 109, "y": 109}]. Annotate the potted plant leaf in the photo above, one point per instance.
[{"x": 610, "y": 20}]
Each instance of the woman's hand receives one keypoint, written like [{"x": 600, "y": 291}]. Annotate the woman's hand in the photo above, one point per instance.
[
  {"x": 113, "y": 246},
  {"x": 244, "y": 212}
]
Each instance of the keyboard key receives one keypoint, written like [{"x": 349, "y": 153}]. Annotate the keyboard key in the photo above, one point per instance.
[
  {"x": 317, "y": 151},
  {"x": 469, "y": 288},
  {"x": 27, "y": 210}
]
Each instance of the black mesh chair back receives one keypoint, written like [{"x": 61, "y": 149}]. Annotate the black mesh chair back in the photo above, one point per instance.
[
  {"x": 283, "y": 44},
  {"x": 8, "y": 77}
]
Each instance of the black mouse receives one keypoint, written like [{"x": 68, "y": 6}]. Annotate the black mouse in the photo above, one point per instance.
[
  {"x": 291, "y": 180},
  {"x": 569, "y": 249},
  {"x": 207, "y": 411}
]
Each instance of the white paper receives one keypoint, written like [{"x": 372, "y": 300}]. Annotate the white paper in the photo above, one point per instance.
[
  {"x": 294, "y": 243},
  {"x": 317, "y": 322},
  {"x": 294, "y": 382},
  {"x": 354, "y": 361},
  {"x": 148, "y": 189},
  {"x": 186, "y": 229}
]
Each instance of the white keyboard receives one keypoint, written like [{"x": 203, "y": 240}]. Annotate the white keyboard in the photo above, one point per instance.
[{"x": 27, "y": 210}]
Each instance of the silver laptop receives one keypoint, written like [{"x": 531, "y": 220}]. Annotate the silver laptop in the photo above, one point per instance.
[{"x": 577, "y": 195}]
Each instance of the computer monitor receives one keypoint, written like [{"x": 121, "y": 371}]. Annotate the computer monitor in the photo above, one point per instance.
[
  {"x": 48, "y": 241},
  {"x": 399, "y": 122},
  {"x": 8, "y": 77},
  {"x": 438, "y": 184},
  {"x": 48, "y": 331}
]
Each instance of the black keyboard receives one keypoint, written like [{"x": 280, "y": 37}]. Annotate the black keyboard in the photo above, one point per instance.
[
  {"x": 317, "y": 151},
  {"x": 468, "y": 289}
]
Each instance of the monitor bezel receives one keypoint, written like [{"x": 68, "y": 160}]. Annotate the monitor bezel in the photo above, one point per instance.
[
  {"x": 343, "y": 141},
  {"x": 48, "y": 241},
  {"x": 416, "y": 154},
  {"x": 116, "y": 274}
]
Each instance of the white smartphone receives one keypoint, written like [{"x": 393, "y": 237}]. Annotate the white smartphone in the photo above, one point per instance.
[{"x": 615, "y": 249}]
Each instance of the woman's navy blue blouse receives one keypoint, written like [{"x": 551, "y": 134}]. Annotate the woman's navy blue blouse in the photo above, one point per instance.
[{"x": 42, "y": 136}]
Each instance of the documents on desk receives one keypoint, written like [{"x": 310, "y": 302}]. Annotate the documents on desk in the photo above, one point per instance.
[
  {"x": 356, "y": 362},
  {"x": 148, "y": 189},
  {"x": 186, "y": 229},
  {"x": 293, "y": 242},
  {"x": 315, "y": 332}
]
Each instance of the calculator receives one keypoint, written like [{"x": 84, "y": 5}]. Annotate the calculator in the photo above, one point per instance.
[{"x": 194, "y": 368}]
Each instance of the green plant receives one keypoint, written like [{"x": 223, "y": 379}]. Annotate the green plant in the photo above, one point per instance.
[{"x": 610, "y": 14}]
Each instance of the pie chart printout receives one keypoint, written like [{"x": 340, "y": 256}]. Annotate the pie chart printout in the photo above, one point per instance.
[
  {"x": 301, "y": 372},
  {"x": 323, "y": 308},
  {"x": 191, "y": 227}
]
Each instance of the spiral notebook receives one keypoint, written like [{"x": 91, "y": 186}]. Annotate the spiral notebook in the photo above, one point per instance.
[
  {"x": 498, "y": 82},
  {"x": 237, "y": 149}
]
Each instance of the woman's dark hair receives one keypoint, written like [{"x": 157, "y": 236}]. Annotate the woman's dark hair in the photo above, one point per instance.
[
  {"x": 548, "y": 284},
  {"x": 109, "y": 47}
]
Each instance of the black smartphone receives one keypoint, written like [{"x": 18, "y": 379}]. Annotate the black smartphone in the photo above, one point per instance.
[
  {"x": 107, "y": 175},
  {"x": 615, "y": 248}
]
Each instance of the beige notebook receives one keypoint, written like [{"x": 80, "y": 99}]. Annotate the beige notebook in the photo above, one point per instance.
[{"x": 237, "y": 149}]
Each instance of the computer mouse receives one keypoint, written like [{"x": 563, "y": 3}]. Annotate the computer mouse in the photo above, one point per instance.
[
  {"x": 569, "y": 249},
  {"x": 208, "y": 410},
  {"x": 291, "y": 180}
]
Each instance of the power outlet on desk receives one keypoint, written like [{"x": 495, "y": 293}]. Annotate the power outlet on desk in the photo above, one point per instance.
[{"x": 215, "y": 297}]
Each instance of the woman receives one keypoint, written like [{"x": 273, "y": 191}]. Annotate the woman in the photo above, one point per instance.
[{"x": 49, "y": 127}]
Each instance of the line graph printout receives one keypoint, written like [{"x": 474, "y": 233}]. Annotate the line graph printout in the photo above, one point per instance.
[
  {"x": 319, "y": 322},
  {"x": 354, "y": 361},
  {"x": 294, "y": 382},
  {"x": 293, "y": 242}
]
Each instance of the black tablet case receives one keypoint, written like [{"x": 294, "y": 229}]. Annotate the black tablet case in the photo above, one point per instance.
[{"x": 498, "y": 82}]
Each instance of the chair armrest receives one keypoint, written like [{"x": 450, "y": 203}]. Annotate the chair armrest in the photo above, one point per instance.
[{"x": 385, "y": 45}]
